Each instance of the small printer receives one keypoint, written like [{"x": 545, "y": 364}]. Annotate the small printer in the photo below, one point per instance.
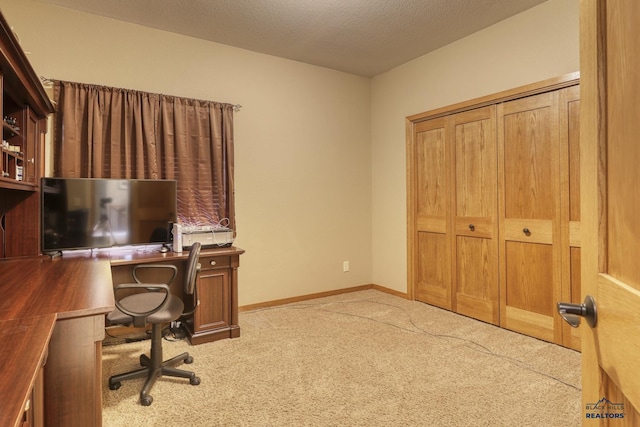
[{"x": 209, "y": 236}]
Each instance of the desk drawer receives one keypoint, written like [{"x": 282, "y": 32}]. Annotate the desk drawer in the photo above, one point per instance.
[{"x": 214, "y": 262}]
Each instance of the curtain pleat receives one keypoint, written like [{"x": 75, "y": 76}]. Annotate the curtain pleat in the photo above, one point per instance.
[{"x": 104, "y": 132}]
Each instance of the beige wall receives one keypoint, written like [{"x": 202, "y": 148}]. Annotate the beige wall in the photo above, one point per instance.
[
  {"x": 537, "y": 44},
  {"x": 302, "y": 138},
  {"x": 320, "y": 169}
]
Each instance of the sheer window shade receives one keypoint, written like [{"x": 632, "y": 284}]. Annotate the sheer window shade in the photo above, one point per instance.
[{"x": 104, "y": 132}]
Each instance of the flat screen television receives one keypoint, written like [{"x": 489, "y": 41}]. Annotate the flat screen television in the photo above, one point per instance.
[{"x": 89, "y": 213}]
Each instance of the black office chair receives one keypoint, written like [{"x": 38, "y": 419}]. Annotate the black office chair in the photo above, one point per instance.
[{"x": 155, "y": 305}]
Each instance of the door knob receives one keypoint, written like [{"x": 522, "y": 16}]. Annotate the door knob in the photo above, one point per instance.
[{"x": 571, "y": 312}]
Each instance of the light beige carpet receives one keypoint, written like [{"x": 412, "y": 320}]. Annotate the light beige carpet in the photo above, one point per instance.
[{"x": 358, "y": 359}]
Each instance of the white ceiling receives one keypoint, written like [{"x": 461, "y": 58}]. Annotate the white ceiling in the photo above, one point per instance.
[{"x": 363, "y": 37}]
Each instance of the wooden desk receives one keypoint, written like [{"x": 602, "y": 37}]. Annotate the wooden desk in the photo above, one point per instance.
[
  {"x": 77, "y": 293},
  {"x": 57, "y": 308},
  {"x": 217, "y": 288}
]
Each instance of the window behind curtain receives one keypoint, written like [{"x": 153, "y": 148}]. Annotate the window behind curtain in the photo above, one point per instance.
[{"x": 104, "y": 132}]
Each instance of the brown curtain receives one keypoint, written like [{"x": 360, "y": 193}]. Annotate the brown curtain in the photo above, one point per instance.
[{"x": 104, "y": 132}]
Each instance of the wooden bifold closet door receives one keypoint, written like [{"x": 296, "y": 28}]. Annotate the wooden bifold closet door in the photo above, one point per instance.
[
  {"x": 473, "y": 212},
  {"x": 432, "y": 214},
  {"x": 529, "y": 209},
  {"x": 456, "y": 206},
  {"x": 494, "y": 208},
  {"x": 539, "y": 215}
]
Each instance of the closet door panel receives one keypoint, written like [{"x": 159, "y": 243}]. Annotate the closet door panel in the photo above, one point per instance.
[
  {"x": 529, "y": 209},
  {"x": 474, "y": 213},
  {"x": 529, "y": 159},
  {"x": 476, "y": 278},
  {"x": 432, "y": 183},
  {"x": 574, "y": 156},
  {"x": 475, "y": 175},
  {"x": 528, "y": 277},
  {"x": 529, "y": 298},
  {"x": 434, "y": 269},
  {"x": 432, "y": 223}
]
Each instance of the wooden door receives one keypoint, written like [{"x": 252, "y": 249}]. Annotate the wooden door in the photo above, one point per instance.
[
  {"x": 213, "y": 293},
  {"x": 432, "y": 239},
  {"x": 529, "y": 212},
  {"x": 474, "y": 205},
  {"x": 570, "y": 205},
  {"x": 610, "y": 207}
]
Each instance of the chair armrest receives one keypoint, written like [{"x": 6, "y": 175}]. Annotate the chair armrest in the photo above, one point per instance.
[
  {"x": 149, "y": 287},
  {"x": 155, "y": 266}
]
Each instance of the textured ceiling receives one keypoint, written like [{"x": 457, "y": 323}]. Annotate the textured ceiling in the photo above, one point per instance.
[{"x": 363, "y": 37}]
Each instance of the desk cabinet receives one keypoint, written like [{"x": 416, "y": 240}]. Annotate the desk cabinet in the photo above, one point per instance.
[{"x": 216, "y": 316}]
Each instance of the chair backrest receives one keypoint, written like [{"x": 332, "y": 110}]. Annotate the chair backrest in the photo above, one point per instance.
[{"x": 192, "y": 268}]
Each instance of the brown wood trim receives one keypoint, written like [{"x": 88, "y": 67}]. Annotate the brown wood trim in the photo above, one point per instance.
[
  {"x": 555, "y": 83},
  {"x": 275, "y": 303},
  {"x": 212, "y": 335},
  {"x": 411, "y": 206},
  {"x": 392, "y": 292}
]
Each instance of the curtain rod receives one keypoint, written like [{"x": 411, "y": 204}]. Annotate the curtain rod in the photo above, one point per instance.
[{"x": 47, "y": 82}]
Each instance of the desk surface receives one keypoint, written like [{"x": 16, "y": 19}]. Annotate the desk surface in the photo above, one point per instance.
[{"x": 66, "y": 287}]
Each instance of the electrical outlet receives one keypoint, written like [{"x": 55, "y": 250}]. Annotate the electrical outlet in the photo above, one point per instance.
[{"x": 345, "y": 266}]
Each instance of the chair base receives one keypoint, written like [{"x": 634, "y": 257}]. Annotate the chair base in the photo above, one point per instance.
[{"x": 154, "y": 368}]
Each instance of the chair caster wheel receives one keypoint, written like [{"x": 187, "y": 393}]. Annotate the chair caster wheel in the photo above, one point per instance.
[
  {"x": 194, "y": 381},
  {"x": 146, "y": 401},
  {"x": 115, "y": 386},
  {"x": 188, "y": 360}
]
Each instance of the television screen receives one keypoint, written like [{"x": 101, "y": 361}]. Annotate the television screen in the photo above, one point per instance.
[{"x": 87, "y": 213}]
